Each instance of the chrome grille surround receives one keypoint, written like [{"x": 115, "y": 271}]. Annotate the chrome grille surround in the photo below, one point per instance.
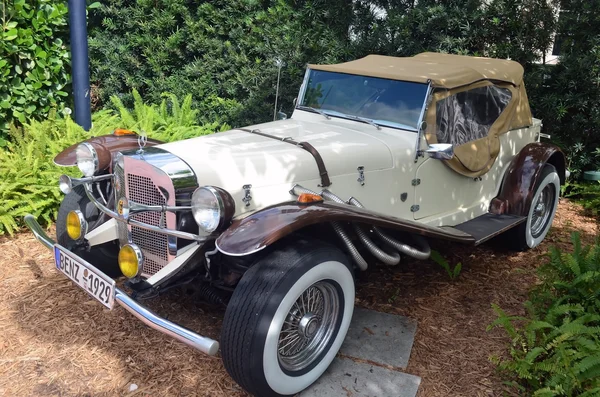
[
  {"x": 155, "y": 177},
  {"x": 119, "y": 194}
]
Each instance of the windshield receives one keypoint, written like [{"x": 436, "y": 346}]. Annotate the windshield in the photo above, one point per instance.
[{"x": 386, "y": 102}]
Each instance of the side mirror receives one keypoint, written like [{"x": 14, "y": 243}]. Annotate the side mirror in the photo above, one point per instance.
[
  {"x": 281, "y": 116},
  {"x": 441, "y": 151}
]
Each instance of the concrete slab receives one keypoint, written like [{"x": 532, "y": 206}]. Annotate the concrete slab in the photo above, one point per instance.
[
  {"x": 346, "y": 378},
  {"x": 380, "y": 337}
]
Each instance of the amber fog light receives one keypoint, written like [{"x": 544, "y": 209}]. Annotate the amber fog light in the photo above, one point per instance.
[
  {"x": 76, "y": 225},
  {"x": 130, "y": 260}
]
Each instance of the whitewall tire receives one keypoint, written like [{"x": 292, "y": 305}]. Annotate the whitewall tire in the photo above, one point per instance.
[
  {"x": 541, "y": 211},
  {"x": 288, "y": 318}
]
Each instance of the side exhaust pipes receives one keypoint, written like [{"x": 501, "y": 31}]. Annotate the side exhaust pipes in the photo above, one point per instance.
[{"x": 396, "y": 247}]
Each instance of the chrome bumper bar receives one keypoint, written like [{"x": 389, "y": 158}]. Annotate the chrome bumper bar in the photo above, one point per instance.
[{"x": 190, "y": 338}]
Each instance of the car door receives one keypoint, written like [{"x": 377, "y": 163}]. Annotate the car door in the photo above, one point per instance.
[
  {"x": 442, "y": 192},
  {"x": 464, "y": 119}
]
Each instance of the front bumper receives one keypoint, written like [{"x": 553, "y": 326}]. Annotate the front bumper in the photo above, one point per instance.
[{"x": 190, "y": 338}]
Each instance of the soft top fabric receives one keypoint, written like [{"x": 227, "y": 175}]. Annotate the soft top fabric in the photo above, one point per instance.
[
  {"x": 450, "y": 75},
  {"x": 443, "y": 70}
]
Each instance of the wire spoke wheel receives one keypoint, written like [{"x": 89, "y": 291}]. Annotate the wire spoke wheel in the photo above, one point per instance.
[
  {"x": 309, "y": 326},
  {"x": 543, "y": 207}
]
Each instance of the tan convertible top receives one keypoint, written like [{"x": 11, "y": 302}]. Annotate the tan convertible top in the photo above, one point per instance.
[
  {"x": 444, "y": 70},
  {"x": 476, "y": 143}
]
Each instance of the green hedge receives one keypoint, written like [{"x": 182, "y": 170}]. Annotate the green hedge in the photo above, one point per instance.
[
  {"x": 34, "y": 60},
  {"x": 222, "y": 52},
  {"x": 29, "y": 181},
  {"x": 566, "y": 96}
]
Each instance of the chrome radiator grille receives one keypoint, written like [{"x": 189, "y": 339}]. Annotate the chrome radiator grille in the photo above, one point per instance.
[
  {"x": 149, "y": 177},
  {"x": 155, "y": 246}
]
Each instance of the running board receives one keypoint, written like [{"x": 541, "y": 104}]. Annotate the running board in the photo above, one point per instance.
[{"x": 486, "y": 226}]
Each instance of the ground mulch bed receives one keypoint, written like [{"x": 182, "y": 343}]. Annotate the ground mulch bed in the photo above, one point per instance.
[{"x": 54, "y": 340}]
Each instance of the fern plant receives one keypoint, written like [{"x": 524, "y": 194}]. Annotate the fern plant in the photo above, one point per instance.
[
  {"x": 555, "y": 349},
  {"x": 169, "y": 121},
  {"x": 453, "y": 273},
  {"x": 29, "y": 181}
]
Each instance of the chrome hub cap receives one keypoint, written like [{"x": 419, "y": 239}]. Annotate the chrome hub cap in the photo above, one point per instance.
[
  {"x": 309, "y": 326},
  {"x": 542, "y": 210}
]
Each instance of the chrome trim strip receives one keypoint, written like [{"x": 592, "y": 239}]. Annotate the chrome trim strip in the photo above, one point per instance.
[
  {"x": 243, "y": 254},
  {"x": 83, "y": 225},
  {"x": 179, "y": 171},
  {"x": 139, "y": 255},
  {"x": 94, "y": 153},
  {"x": 420, "y": 123},
  {"x": 303, "y": 88},
  {"x": 151, "y": 319}
]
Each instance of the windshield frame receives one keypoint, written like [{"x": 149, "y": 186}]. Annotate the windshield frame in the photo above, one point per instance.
[{"x": 351, "y": 117}]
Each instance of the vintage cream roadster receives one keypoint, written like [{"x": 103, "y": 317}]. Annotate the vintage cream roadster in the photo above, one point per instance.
[{"x": 380, "y": 156}]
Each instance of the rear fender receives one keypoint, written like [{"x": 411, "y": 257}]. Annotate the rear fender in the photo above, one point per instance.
[
  {"x": 522, "y": 175},
  {"x": 265, "y": 227},
  {"x": 105, "y": 145}
]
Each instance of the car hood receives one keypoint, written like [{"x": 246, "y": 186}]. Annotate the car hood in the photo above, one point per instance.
[{"x": 235, "y": 158}]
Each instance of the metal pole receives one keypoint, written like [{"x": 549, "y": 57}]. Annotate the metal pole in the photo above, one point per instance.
[
  {"x": 80, "y": 63},
  {"x": 279, "y": 63}
]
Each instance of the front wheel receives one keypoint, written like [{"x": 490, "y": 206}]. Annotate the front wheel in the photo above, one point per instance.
[{"x": 287, "y": 319}]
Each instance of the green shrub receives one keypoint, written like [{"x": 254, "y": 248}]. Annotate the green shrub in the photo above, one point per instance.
[
  {"x": 555, "y": 350},
  {"x": 566, "y": 96},
  {"x": 29, "y": 181},
  {"x": 34, "y": 60},
  {"x": 587, "y": 193}
]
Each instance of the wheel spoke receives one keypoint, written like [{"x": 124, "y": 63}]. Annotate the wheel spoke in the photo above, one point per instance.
[
  {"x": 309, "y": 326},
  {"x": 289, "y": 343}
]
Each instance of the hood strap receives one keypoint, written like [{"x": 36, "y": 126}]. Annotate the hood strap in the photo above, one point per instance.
[{"x": 325, "y": 181}]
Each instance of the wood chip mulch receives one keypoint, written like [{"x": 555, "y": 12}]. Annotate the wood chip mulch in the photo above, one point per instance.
[{"x": 54, "y": 340}]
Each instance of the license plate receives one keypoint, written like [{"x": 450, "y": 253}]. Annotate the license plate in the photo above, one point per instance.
[{"x": 92, "y": 280}]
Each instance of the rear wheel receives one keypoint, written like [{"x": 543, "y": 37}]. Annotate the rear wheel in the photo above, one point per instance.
[
  {"x": 287, "y": 319},
  {"x": 105, "y": 256},
  {"x": 541, "y": 212}
]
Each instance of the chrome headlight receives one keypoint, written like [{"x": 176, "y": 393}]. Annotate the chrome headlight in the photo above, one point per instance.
[
  {"x": 87, "y": 159},
  {"x": 212, "y": 208}
]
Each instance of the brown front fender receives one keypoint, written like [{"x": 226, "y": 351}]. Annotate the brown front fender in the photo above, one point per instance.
[
  {"x": 263, "y": 228},
  {"x": 105, "y": 145},
  {"x": 522, "y": 175}
]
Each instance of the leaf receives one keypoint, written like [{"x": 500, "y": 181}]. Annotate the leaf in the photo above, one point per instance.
[
  {"x": 18, "y": 115},
  {"x": 457, "y": 269},
  {"x": 94, "y": 5},
  {"x": 10, "y": 34}
]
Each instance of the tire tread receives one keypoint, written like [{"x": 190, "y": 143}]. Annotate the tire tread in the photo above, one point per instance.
[{"x": 250, "y": 298}]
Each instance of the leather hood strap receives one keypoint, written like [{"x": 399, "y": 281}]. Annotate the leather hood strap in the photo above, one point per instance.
[{"x": 325, "y": 181}]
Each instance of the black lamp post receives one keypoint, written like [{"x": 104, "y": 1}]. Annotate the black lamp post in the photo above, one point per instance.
[{"x": 80, "y": 63}]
